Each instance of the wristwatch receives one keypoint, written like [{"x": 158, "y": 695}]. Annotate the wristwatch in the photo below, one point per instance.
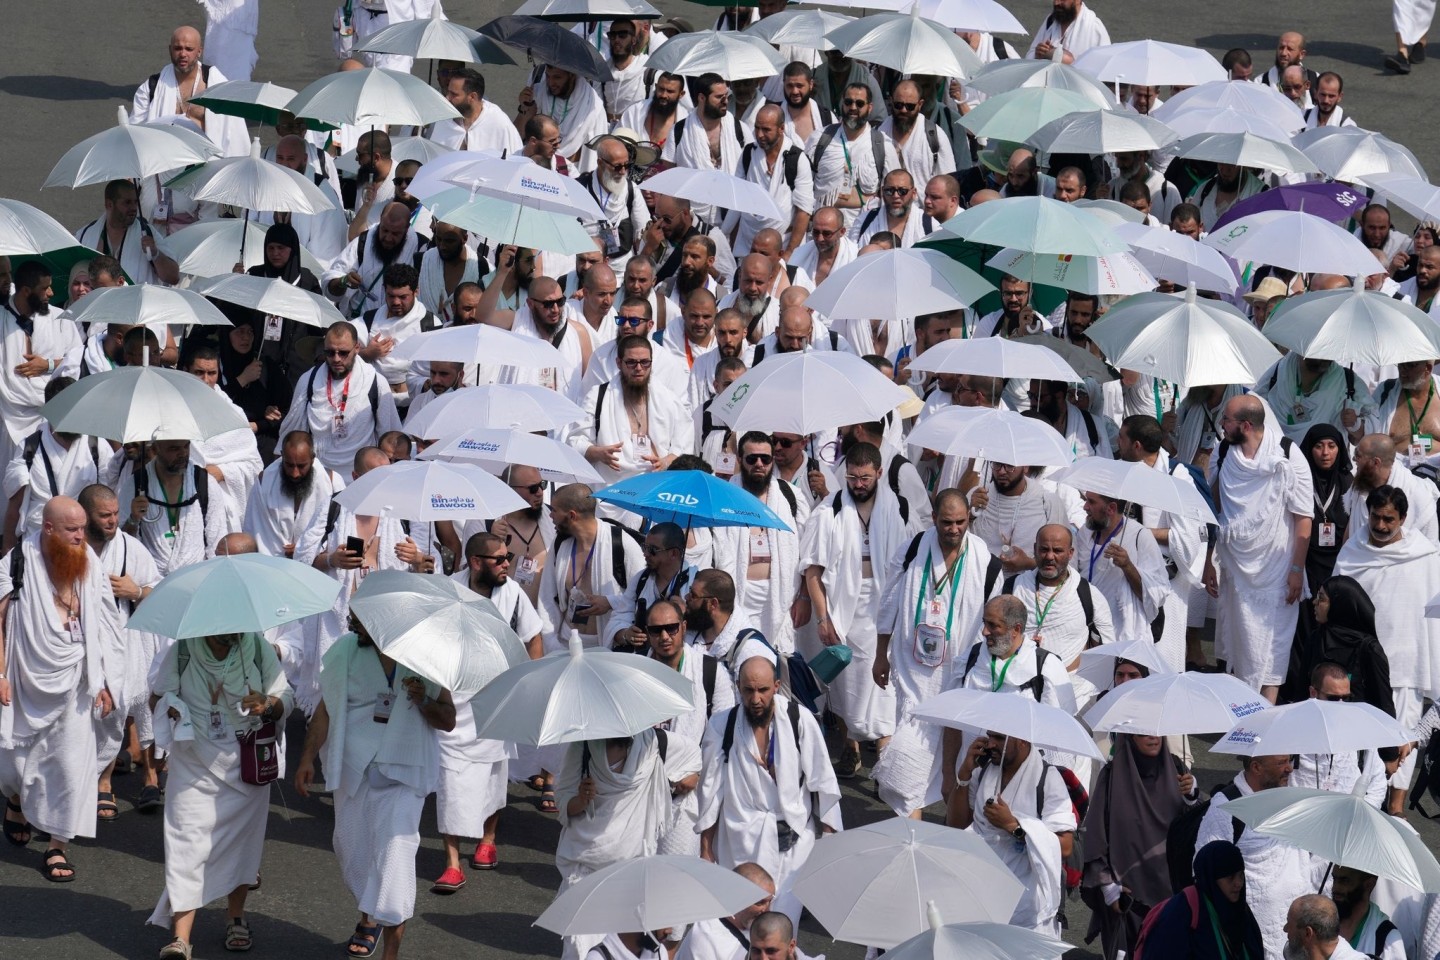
[{"x": 1019, "y": 834}]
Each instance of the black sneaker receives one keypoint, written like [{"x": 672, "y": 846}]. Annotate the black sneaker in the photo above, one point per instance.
[
  {"x": 848, "y": 765},
  {"x": 1417, "y": 53},
  {"x": 1398, "y": 62}
]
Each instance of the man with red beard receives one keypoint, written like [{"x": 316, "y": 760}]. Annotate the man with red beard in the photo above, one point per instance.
[{"x": 61, "y": 664}]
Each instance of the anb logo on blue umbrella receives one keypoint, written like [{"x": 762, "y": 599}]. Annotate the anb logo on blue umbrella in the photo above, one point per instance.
[{"x": 679, "y": 499}]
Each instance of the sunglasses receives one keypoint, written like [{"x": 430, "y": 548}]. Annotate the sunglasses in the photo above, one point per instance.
[
  {"x": 530, "y": 488},
  {"x": 631, "y": 322},
  {"x": 855, "y": 103},
  {"x": 497, "y": 559},
  {"x": 651, "y": 550},
  {"x": 902, "y": 105},
  {"x": 788, "y": 442},
  {"x": 1336, "y": 697},
  {"x": 894, "y": 191},
  {"x": 403, "y": 181},
  {"x": 339, "y": 354},
  {"x": 549, "y": 304},
  {"x": 758, "y": 459},
  {"x": 662, "y": 629}
]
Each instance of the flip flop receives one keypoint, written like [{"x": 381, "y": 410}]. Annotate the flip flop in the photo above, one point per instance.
[
  {"x": 14, "y": 830},
  {"x": 55, "y": 861},
  {"x": 364, "y": 942}
]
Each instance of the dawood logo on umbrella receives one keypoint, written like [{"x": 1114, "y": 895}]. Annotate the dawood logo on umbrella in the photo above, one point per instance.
[
  {"x": 1245, "y": 709},
  {"x": 438, "y": 502},
  {"x": 1241, "y": 735},
  {"x": 679, "y": 499},
  {"x": 539, "y": 186},
  {"x": 480, "y": 446}
]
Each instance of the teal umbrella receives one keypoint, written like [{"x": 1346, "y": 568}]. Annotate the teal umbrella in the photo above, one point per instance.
[
  {"x": 1034, "y": 225},
  {"x": 1017, "y": 114},
  {"x": 253, "y": 102},
  {"x": 248, "y": 593},
  {"x": 976, "y": 256}
]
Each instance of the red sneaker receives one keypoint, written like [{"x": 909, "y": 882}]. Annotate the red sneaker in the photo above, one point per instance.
[
  {"x": 486, "y": 857},
  {"x": 450, "y": 881}
]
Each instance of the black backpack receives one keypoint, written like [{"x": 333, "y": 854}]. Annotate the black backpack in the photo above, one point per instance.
[
  {"x": 877, "y": 148},
  {"x": 1426, "y": 781},
  {"x": 791, "y": 161},
  {"x": 992, "y": 570},
  {"x": 1185, "y": 828},
  {"x": 427, "y": 323},
  {"x": 892, "y": 477},
  {"x": 793, "y": 711},
  {"x": 617, "y": 551},
  {"x": 1036, "y": 684},
  {"x": 202, "y": 489},
  {"x": 926, "y": 221},
  {"x": 1087, "y": 606},
  {"x": 374, "y": 393}
]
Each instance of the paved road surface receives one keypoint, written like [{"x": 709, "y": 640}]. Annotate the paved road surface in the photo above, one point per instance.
[{"x": 68, "y": 65}]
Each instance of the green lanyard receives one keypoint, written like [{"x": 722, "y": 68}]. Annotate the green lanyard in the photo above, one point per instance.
[
  {"x": 954, "y": 584},
  {"x": 1159, "y": 407},
  {"x": 1414, "y": 420},
  {"x": 1221, "y": 940},
  {"x": 1040, "y": 615},
  {"x": 997, "y": 682}
]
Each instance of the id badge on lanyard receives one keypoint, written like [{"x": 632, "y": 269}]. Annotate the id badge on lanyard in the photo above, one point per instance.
[
  {"x": 525, "y": 571},
  {"x": 384, "y": 705},
  {"x": 931, "y": 643}
]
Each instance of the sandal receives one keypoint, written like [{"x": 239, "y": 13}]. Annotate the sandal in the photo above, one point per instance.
[
  {"x": 547, "y": 801},
  {"x": 536, "y": 783},
  {"x": 18, "y": 832},
  {"x": 256, "y": 885},
  {"x": 55, "y": 862},
  {"x": 450, "y": 881},
  {"x": 237, "y": 936},
  {"x": 365, "y": 941},
  {"x": 176, "y": 949},
  {"x": 106, "y": 808},
  {"x": 124, "y": 763},
  {"x": 150, "y": 799}
]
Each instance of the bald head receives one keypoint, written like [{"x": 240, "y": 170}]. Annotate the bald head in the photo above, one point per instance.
[
  {"x": 794, "y": 296},
  {"x": 186, "y": 49},
  {"x": 1328, "y": 281},
  {"x": 757, "y": 875},
  {"x": 60, "y": 511},
  {"x": 187, "y": 35},
  {"x": 983, "y": 196},
  {"x": 351, "y": 64},
  {"x": 1377, "y": 446},
  {"x": 234, "y": 544},
  {"x": 757, "y": 670},
  {"x": 1246, "y": 408},
  {"x": 767, "y": 243},
  {"x": 367, "y": 459},
  {"x": 543, "y": 288},
  {"x": 396, "y": 216}
]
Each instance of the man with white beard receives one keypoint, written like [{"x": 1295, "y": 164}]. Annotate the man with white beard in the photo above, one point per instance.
[
  {"x": 754, "y": 297},
  {"x": 1401, "y": 570},
  {"x": 132, "y": 576},
  {"x": 623, "y": 204},
  {"x": 474, "y": 772},
  {"x": 62, "y": 662},
  {"x": 172, "y": 509},
  {"x": 289, "y": 495},
  {"x": 846, "y": 551}
]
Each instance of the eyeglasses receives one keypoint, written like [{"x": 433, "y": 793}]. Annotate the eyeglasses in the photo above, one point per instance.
[
  {"x": 822, "y": 234},
  {"x": 621, "y": 167},
  {"x": 902, "y": 105},
  {"x": 855, "y": 103},
  {"x": 894, "y": 191},
  {"x": 857, "y": 478},
  {"x": 497, "y": 559},
  {"x": 549, "y": 304},
  {"x": 652, "y": 550},
  {"x": 530, "y": 488},
  {"x": 788, "y": 442},
  {"x": 758, "y": 459},
  {"x": 337, "y": 354},
  {"x": 698, "y": 597},
  {"x": 403, "y": 181},
  {"x": 623, "y": 321},
  {"x": 637, "y": 364},
  {"x": 662, "y": 629}
]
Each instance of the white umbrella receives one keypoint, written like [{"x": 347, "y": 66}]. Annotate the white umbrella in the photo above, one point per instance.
[
  {"x": 1245, "y": 150},
  {"x": 1079, "y": 359},
  {"x": 1419, "y": 197},
  {"x": 587, "y": 9},
  {"x": 252, "y": 183},
  {"x": 1175, "y": 257},
  {"x": 435, "y": 38},
  {"x": 1350, "y": 153},
  {"x": 1198, "y": 120},
  {"x": 908, "y": 43},
  {"x": 1098, "y": 663},
  {"x": 893, "y": 284},
  {"x": 1016, "y": 115},
  {"x": 372, "y": 97},
  {"x": 983, "y": 15},
  {"x": 1343, "y": 829},
  {"x": 977, "y": 941},
  {"x": 1118, "y": 274},
  {"x": 129, "y": 151},
  {"x": 515, "y": 179},
  {"x": 1186, "y": 340},
  {"x": 715, "y": 187},
  {"x": 994, "y": 357},
  {"x": 422, "y": 150},
  {"x": 579, "y": 694},
  {"x": 1102, "y": 131},
  {"x": 243, "y": 593},
  {"x": 805, "y": 393},
  {"x": 649, "y": 893},
  {"x": 510, "y": 221},
  {"x": 479, "y": 343},
  {"x": 430, "y": 490},
  {"x": 213, "y": 247},
  {"x": 26, "y": 230},
  {"x": 1003, "y": 75},
  {"x": 1294, "y": 240},
  {"x": 1023, "y": 718},
  {"x": 1140, "y": 483},
  {"x": 250, "y": 100},
  {"x": 735, "y": 56},
  {"x": 141, "y": 404},
  {"x": 1151, "y": 63},
  {"x": 1174, "y": 703},
  {"x": 269, "y": 295},
  {"x": 872, "y": 884},
  {"x": 146, "y": 303},
  {"x": 1354, "y": 325},
  {"x": 1255, "y": 98},
  {"x": 439, "y": 628},
  {"x": 1000, "y": 436},
  {"x": 496, "y": 447},
  {"x": 1313, "y": 726},
  {"x": 525, "y": 406},
  {"x": 1034, "y": 224},
  {"x": 799, "y": 28}
]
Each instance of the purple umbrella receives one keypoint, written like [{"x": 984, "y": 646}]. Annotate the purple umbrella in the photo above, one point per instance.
[{"x": 1329, "y": 201}]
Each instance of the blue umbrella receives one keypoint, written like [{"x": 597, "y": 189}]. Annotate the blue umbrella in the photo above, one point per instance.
[
  {"x": 690, "y": 497},
  {"x": 1329, "y": 201}
]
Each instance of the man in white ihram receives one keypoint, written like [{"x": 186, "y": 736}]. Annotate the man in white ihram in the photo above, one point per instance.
[
  {"x": 61, "y": 663},
  {"x": 169, "y": 92}
]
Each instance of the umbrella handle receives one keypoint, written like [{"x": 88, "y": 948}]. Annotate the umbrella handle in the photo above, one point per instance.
[{"x": 1326, "y": 878}]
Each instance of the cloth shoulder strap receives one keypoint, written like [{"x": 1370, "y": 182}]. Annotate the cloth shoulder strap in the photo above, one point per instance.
[
  {"x": 709, "y": 668},
  {"x": 826, "y": 135},
  {"x": 789, "y": 495}
]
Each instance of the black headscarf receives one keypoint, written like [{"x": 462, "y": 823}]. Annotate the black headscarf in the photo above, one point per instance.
[
  {"x": 281, "y": 233},
  {"x": 1350, "y": 606},
  {"x": 1330, "y": 488},
  {"x": 1135, "y": 800},
  {"x": 1224, "y": 930}
]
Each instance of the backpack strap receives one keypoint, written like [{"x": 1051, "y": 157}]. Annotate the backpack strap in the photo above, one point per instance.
[
  {"x": 662, "y": 742},
  {"x": 599, "y": 404},
  {"x": 1087, "y": 605},
  {"x": 17, "y": 569},
  {"x": 794, "y": 714},
  {"x": 791, "y": 160},
  {"x": 870, "y": 216},
  {"x": 998, "y": 46},
  {"x": 992, "y": 574},
  {"x": 792, "y": 271},
  {"x": 759, "y": 352},
  {"x": 877, "y": 150},
  {"x": 1231, "y": 792},
  {"x": 834, "y": 341},
  {"x": 202, "y": 491},
  {"x": 617, "y": 551},
  {"x": 728, "y": 740},
  {"x": 332, "y": 516},
  {"x": 1382, "y": 933},
  {"x": 788, "y": 493},
  {"x": 429, "y": 322},
  {"x": 1036, "y": 684},
  {"x": 709, "y": 668},
  {"x": 912, "y": 551},
  {"x": 932, "y": 136},
  {"x": 971, "y": 658},
  {"x": 892, "y": 476},
  {"x": 745, "y": 155},
  {"x": 826, "y": 136},
  {"x": 1091, "y": 430}
]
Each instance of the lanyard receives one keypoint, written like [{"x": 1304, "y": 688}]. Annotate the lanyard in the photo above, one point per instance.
[
  {"x": 954, "y": 588},
  {"x": 997, "y": 682},
  {"x": 1325, "y": 507},
  {"x": 1040, "y": 615},
  {"x": 574, "y": 576},
  {"x": 770, "y": 750},
  {"x": 344, "y": 392},
  {"x": 1159, "y": 407},
  {"x": 561, "y": 119},
  {"x": 1098, "y": 549},
  {"x": 1414, "y": 420}
]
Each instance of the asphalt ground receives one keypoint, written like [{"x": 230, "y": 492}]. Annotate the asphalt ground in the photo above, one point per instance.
[{"x": 67, "y": 65}]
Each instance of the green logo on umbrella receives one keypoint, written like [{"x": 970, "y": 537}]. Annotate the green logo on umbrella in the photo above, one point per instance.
[{"x": 739, "y": 393}]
